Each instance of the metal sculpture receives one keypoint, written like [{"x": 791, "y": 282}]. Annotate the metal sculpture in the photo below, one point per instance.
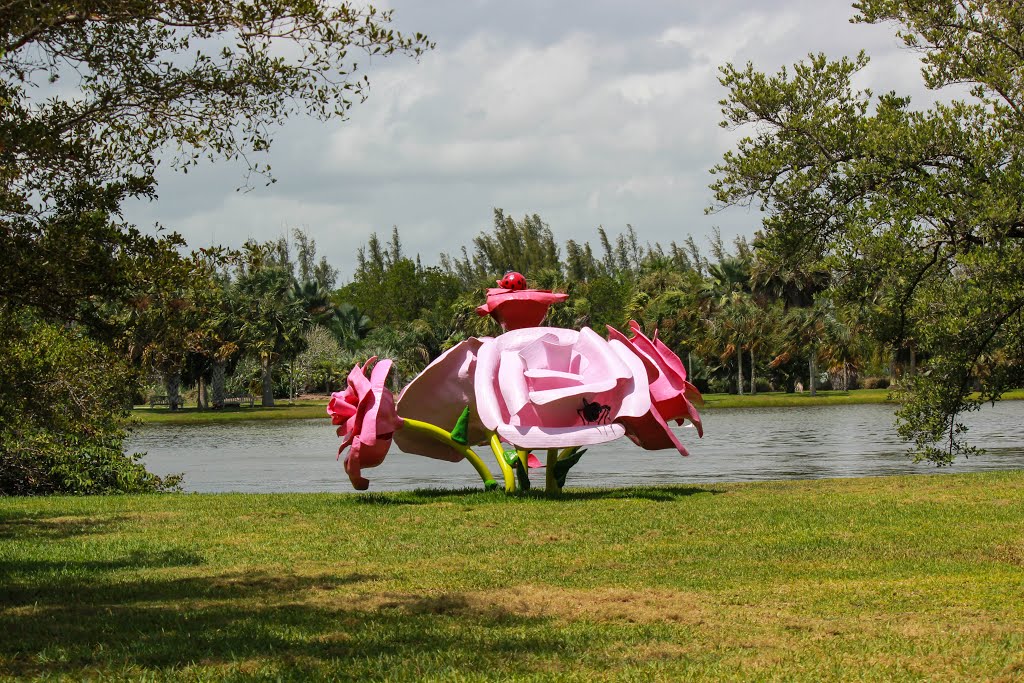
[{"x": 531, "y": 388}]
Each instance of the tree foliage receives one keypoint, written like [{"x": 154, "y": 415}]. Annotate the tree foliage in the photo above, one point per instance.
[
  {"x": 94, "y": 95},
  {"x": 917, "y": 213},
  {"x": 211, "y": 76},
  {"x": 62, "y": 404}
]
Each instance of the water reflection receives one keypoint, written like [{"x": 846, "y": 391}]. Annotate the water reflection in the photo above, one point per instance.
[{"x": 739, "y": 445}]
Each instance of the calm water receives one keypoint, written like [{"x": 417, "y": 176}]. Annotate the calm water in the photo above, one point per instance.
[{"x": 738, "y": 445}]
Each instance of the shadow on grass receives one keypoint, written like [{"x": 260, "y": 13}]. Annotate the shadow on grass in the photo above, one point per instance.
[
  {"x": 244, "y": 625},
  {"x": 142, "y": 559},
  {"x": 475, "y": 495},
  {"x": 18, "y": 526},
  {"x": 59, "y": 585},
  {"x": 660, "y": 494},
  {"x": 159, "y": 612}
]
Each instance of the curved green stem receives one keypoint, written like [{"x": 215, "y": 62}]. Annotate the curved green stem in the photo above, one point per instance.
[
  {"x": 550, "y": 483},
  {"x": 506, "y": 469},
  {"x": 445, "y": 437}
]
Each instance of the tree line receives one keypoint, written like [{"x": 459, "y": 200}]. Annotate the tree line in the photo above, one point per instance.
[{"x": 268, "y": 320}]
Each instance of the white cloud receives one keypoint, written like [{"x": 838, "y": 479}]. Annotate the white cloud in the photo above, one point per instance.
[
  {"x": 571, "y": 111},
  {"x": 726, "y": 40}
]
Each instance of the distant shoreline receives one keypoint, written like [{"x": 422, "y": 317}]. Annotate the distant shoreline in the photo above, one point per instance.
[{"x": 313, "y": 408}]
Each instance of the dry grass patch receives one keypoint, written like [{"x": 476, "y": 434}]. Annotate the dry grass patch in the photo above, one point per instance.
[
  {"x": 1010, "y": 553},
  {"x": 562, "y": 604}
]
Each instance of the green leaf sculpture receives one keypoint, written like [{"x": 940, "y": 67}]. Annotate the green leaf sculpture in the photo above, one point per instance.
[
  {"x": 460, "y": 432},
  {"x": 565, "y": 464}
]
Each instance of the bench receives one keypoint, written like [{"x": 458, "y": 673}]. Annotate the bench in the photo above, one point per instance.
[
  {"x": 158, "y": 401},
  {"x": 239, "y": 400}
]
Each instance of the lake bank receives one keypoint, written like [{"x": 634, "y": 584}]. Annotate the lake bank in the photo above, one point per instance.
[
  {"x": 898, "y": 578},
  {"x": 317, "y": 409}
]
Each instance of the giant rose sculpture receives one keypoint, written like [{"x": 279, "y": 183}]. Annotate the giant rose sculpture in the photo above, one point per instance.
[{"x": 531, "y": 388}]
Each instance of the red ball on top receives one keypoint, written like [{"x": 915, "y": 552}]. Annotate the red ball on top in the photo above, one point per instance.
[{"x": 512, "y": 280}]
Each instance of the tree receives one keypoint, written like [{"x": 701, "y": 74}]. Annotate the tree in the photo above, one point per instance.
[
  {"x": 211, "y": 76},
  {"x": 93, "y": 93},
  {"x": 918, "y": 212},
  {"x": 350, "y": 325},
  {"x": 525, "y": 246},
  {"x": 272, "y": 319},
  {"x": 214, "y": 325},
  {"x": 320, "y": 366},
  {"x": 729, "y": 308},
  {"x": 392, "y": 288},
  {"x": 310, "y": 270}
]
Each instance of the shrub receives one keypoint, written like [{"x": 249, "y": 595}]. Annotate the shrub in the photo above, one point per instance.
[
  {"x": 875, "y": 383},
  {"x": 62, "y": 414}
]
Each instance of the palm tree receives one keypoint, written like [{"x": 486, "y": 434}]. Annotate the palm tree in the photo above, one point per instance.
[
  {"x": 350, "y": 325},
  {"x": 727, "y": 305},
  {"x": 806, "y": 332},
  {"x": 315, "y": 300},
  {"x": 272, "y": 319},
  {"x": 797, "y": 288}
]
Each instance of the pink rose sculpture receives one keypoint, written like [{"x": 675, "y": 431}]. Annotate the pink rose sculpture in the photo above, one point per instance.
[
  {"x": 365, "y": 411},
  {"x": 672, "y": 396},
  {"x": 548, "y": 387},
  {"x": 516, "y": 307},
  {"x": 438, "y": 395}
]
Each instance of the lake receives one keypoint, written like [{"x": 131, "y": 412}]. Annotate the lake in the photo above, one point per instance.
[{"x": 750, "y": 444}]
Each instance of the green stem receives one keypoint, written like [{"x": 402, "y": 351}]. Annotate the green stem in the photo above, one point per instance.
[
  {"x": 551, "y": 484},
  {"x": 524, "y": 458},
  {"x": 445, "y": 437},
  {"x": 506, "y": 469}
]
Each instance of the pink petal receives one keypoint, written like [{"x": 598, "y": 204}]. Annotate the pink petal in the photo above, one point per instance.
[
  {"x": 438, "y": 395},
  {"x": 541, "y": 380},
  {"x": 517, "y": 309},
  {"x": 354, "y": 470},
  {"x": 603, "y": 361},
  {"x": 560, "y": 437},
  {"x": 547, "y": 351},
  {"x": 652, "y": 370},
  {"x": 669, "y": 357},
  {"x": 514, "y": 391},
  {"x": 386, "y": 418},
  {"x": 488, "y": 402},
  {"x": 574, "y": 393},
  {"x": 651, "y": 432},
  {"x": 677, "y": 408}
]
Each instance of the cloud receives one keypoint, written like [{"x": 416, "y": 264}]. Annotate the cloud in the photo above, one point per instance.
[{"x": 585, "y": 113}]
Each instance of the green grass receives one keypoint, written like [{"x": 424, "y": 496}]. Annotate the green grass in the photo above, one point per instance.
[
  {"x": 315, "y": 409},
  {"x": 777, "y": 399},
  {"x": 886, "y": 579},
  {"x": 301, "y": 410}
]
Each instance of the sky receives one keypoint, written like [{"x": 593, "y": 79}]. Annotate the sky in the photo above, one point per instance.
[{"x": 588, "y": 113}]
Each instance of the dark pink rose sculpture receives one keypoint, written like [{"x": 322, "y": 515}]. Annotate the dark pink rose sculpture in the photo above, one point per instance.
[
  {"x": 514, "y": 306},
  {"x": 365, "y": 411}
]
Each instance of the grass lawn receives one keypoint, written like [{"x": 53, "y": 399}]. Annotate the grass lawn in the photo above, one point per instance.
[
  {"x": 782, "y": 399},
  {"x": 903, "y": 578},
  {"x": 300, "y": 410}
]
